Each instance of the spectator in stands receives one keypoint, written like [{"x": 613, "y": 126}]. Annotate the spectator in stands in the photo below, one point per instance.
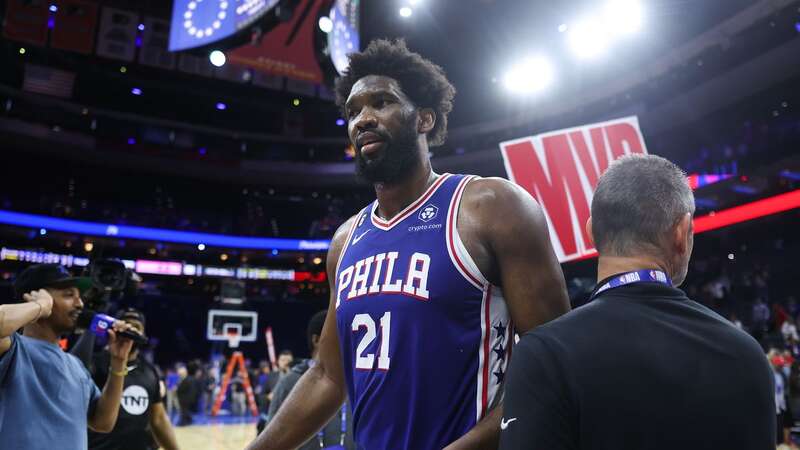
[
  {"x": 789, "y": 330},
  {"x": 238, "y": 397},
  {"x": 189, "y": 393},
  {"x": 261, "y": 387},
  {"x": 760, "y": 318},
  {"x": 332, "y": 434},
  {"x": 208, "y": 386},
  {"x": 173, "y": 379},
  {"x": 785, "y": 420},
  {"x": 285, "y": 359}
]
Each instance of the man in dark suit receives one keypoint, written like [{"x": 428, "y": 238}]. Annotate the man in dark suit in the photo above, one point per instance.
[{"x": 641, "y": 366}]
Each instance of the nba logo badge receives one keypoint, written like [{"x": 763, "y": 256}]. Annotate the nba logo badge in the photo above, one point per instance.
[
  {"x": 361, "y": 221},
  {"x": 428, "y": 213}
]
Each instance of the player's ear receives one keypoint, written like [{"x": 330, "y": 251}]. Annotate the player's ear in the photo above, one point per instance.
[
  {"x": 589, "y": 231},
  {"x": 427, "y": 120}
]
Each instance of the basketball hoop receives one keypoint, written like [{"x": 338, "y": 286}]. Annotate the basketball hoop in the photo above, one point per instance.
[
  {"x": 232, "y": 326},
  {"x": 234, "y": 335}
]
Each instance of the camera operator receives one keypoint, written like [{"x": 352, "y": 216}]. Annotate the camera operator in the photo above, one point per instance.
[
  {"x": 142, "y": 405},
  {"x": 48, "y": 397}
]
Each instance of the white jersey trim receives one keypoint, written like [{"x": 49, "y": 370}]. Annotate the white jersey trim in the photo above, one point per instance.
[
  {"x": 387, "y": 225},
  {"x": 459, "y": 255}
]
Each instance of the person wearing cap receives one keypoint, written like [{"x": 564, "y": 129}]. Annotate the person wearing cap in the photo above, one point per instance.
[
  {"x": 47, "y": 397},
  {"x": 641, "y": 366},
  {"x": 142, "y": 417}
]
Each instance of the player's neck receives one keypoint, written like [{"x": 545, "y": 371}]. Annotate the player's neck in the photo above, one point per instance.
[
  {"x": 611, "y": 265},
  {"x": 41, "y": 331},
  {"x": 393, "y": 198},
  {"x": 133, "y": 355}
]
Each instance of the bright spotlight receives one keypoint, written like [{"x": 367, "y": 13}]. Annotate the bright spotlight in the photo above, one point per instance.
[
  {"x": 588, "y": 39},
  {"x": 623, "y": 16},
  {"x": 217, "y": 58},
  {"x": 406, "y": 12},
  {"x": 201, "y": 247},
  {"x": 530, "y": 76},
  {"x": 325, "y": 24},
  {"x": 414, "y": 2}
]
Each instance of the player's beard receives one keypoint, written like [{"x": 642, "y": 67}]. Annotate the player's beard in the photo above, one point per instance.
[{"x": 396, "y": 161}]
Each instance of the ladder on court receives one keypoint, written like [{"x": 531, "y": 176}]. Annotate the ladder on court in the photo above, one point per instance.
[{"x": 236, "y": 359}]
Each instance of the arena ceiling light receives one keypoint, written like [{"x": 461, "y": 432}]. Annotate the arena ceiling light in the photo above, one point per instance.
[
  {"x": 325, "y": 24},
  {"x": 217, "y": 58},
  {"x": 532, "y": 75},
  {"x": 623, "y": 16},
  {"x": 405, "y": 12},
  {"x": 592, "y": 36},
  {"x": 588, "y": 39}
]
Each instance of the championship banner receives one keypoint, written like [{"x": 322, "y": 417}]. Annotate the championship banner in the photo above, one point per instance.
[
  {"x": 117, "y": 36},
  {"x": 154, "y": 44},
  {"x": 288, "y": 49},
  {"x": 560, "y": 170},
  {"x": 74, "y": 26},
  {"x": 26, "y": 21}
]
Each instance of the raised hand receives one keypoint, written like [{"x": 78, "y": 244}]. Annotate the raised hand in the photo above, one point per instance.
[{"x": 43, "y": 299}]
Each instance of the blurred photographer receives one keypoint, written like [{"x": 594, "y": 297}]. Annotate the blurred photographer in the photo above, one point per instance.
[
  {"x": 48, "y": 397},
  {"x": 142, "y": 416}
]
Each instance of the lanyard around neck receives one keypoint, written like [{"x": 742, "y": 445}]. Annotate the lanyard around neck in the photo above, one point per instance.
[{"x": 636, "y": 276}]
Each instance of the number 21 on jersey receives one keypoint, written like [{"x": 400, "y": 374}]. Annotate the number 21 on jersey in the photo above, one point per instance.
[{"x": 367, "y": 361}]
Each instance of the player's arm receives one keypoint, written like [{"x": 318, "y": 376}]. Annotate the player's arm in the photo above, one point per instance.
[
  {"x": 161, "y": 427},
  {"x": 513, "y": 230},
  {"x": 38, "y": 304},
  {"x": 320, "y": 392}
]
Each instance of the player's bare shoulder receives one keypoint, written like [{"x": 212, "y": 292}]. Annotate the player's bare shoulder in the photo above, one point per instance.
[{"x": 496, "y": 200}]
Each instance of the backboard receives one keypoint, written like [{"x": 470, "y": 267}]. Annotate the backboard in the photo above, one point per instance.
[{"x": 232, "y": 326}]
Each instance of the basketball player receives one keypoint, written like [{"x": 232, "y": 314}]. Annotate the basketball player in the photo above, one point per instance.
[{"x": 429, "y": 283}]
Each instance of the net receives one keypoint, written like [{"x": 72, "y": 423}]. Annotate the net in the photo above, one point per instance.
[{"x": 234, "y": 335}]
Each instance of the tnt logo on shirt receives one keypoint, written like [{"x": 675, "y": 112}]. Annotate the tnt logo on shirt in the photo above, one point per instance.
[
  {"x": 135, "y": 400},
  {"x": 428, "y": 213}
]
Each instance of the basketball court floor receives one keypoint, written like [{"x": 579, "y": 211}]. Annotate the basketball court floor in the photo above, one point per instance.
[{"x": 223, "y": 433}]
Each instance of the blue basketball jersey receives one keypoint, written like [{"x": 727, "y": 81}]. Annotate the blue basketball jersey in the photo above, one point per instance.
[{"x": 425, "y": 338}]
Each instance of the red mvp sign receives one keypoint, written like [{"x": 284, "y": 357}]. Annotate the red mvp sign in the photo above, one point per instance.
[{"x": 561, "y": 168}]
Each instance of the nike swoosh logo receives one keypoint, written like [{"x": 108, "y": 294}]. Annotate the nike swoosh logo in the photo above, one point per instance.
[
  {"x": 504, "y": 424},
  {"x": 131, "y": 368},
  {"x": 358, "y": 238}
]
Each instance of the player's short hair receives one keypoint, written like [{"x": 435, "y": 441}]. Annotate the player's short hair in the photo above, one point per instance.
[
  {"x": 638, "y": 200},
  {"x": 421, "y": 80}
]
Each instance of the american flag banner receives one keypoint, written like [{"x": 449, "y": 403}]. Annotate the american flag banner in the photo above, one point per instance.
[{"x": 48, "y": 81}]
